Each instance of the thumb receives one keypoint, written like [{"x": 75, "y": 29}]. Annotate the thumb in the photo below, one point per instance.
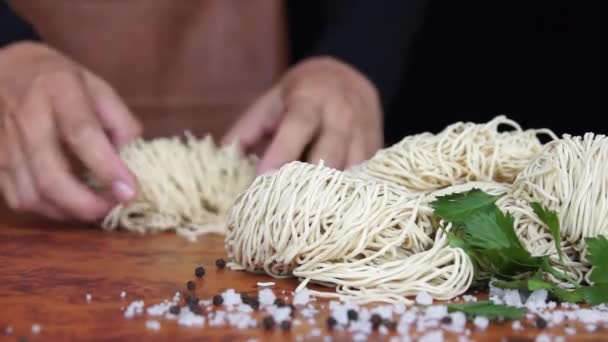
[
  {"x": 259, "y": 119},
  {"x": 112, "y": 112}
]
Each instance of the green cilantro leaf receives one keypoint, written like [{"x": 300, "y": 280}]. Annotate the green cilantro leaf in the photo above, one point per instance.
[
  {"x": 489, "y": 310},
  {"x": 550, "y": 218},
  {"x": 595, "y": 294},
  {"x": 598, "y": 256},
  {"x": 458, "y": 207}
]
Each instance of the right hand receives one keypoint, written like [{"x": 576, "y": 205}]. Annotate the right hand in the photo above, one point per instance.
[{"x": 51, "y": 107}]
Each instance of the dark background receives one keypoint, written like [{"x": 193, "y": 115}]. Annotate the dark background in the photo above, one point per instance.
[{"x": 541, "y": 63}]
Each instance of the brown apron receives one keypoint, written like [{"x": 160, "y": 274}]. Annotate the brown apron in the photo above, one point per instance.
[{"x": 178, "y": 64}]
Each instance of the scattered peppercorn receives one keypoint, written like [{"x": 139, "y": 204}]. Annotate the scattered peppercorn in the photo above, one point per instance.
[
  {"x": 220, "y": 263},
  {"x": 292, "y": 313},
  {"x": 195, "y": 309},
  {"x": 376, "y": 321},
  {"x": 254, "y": 303},
  {"x": 175, "y": 309},
  {"x": 199, "y": 272},
  {"x": 279, "y": 303},
  {"x": 218, "y": 300},
  {"x": 268, "y": 322},
  {"x": 390, "y": 325},
  {"x": 446, "y": 320},
  {"x": 191, "y": 285},
  {"x": 352, "y": 315},
  {"x": 331, "y": 322},
  {"x": 245, "y": 298},
  {"x": 285, "y": 325},
  {"x": 191, "y": 299},
  {"x": 541, "y": 323}
]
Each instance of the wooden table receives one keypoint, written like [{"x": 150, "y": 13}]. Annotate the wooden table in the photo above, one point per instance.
[{"x": 47, "y": 268}]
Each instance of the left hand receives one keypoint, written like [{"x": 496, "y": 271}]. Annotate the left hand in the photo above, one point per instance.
[{"x": 321, "y": 105}]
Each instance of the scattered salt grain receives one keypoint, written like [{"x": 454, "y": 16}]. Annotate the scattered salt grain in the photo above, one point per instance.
[
  {"x": 266, "y": 297},
  {"x": 436, "y": 312},
  {"x": 512, "y": 298},
  {"x": 231, "y": 298},
  {"x": 516, "y": 326},
  {"x": 434, "y": 336},
  {"x": 315, "y": 332},
  {"x": 559, "y": 339},
  {"x": 301, "y": 297},
  {"x": 326, "y": 338},
  {"x": 469, "y": 298},
  {"x": 481, "y": 322},
  {"x": 423, "y": 298},
  {"x": 279, "y": 314},
  {"x": 36, "y": 328},
  {"x": 134, "y": 308},
  {"x": 153, "y": 325},
  {"x": 537, "y": 298},
  {"x": 463, "y": 339},
  {"x": 590, "y": 327},
  {"x": 9, "y": 330},
  {"x": 359, "y": 337},
  {"x": 543, "y": 338},
  {"x": 123, "y": 294},
  {"x": 159, "y": 309},
  {"x": 189, "y": 319},
  {"x": 383, "y": 330},
  {"x": 88, "y": 297},
  {"x": 265, "y": 284},
  {"x": 570, "y": 330},
  {"x": 297, "y": 322}
]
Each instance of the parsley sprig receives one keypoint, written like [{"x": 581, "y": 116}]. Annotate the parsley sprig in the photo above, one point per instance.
[{"x": 488, "y": 237}]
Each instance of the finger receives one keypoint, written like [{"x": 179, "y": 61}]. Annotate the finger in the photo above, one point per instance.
[
  {"x": 295, "y": 132},
  {"x": 81, "y": 130},
  {"x": 259, "y": 119},
  {"x": 112, "y": 112},
  {"x": 50, "y": 170},
  {"x": 20, "y": 190},
  {"x": 332, "y": 147},
  {"x": 8, "y": 191},
  {"x": 357, "y": 153}
]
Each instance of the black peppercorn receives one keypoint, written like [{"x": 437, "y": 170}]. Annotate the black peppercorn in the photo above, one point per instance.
[
  {"x": 199, "y": 272},
  {"x": 218, "y": 300},
  {"x": 191, "y": 285},
  {"x": 352, "y": 315},
  {"x": 390, "y": 325},
  {"x": 195, "y": 309},
  {"x": 175, "y": 309},
  {"x": 541, "y": 323},
  {"x": 446, "y": 320},
  {"x": 268, "y": 322},
  {"x": 285, "y": 325},
  {"x": 292, "y": 313},
  {"x": 191, "y": 299},
  {"x": 220, "y": 263},
  {"x": 376, "y": 321},
  {"x": 331, "y": 322},
  {"x": 279, "y": 303},
  {"x": 245, "y": 298},
  {"x": 254, "y": 303}
]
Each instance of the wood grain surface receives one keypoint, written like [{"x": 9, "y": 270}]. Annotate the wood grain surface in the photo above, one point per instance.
[{"x": 46, "y": 269}]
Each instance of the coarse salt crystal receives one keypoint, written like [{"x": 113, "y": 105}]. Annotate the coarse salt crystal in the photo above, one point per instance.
[
  {"x": 266, "y": 297},
  {"x": 153, "y": 325},
  {"x": 88, "y": 297},
  {"x": 231, "y": 297},
  {"x": 36, "y": 328},
  {"x": 434, "y": 336},
  {"x": 123, "y": 294},
  {"x": 423, "y": 298},
  {"x": 481, "y": 322},
  {"x": 469, "y": 298},
  {"x": 436, "y": 312},
  {"x": 590, "y": 327},
  {"x": 516, "y": 325},
  {"x": 189, "y": 319},
  {"x": 559, "y": 339},
  {"x": 315, "y": 332},
  {"x": 570, "y": 330},
  {"x": 279, "y": 314},
  {"x": 543, "y": 338},
  {"x": 301, "y": 297},
  {"x": 512, "y": 298},
  {"x": 134, "y": 308},
  {"x": 359, "y": 337},
  {"x": 9, "y": 330},
  {"x": 537, "y": 299},
  {"x": 326, "y": 338}
]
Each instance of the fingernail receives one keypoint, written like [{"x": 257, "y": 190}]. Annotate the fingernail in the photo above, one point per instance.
[{"x": 122, "y": 191}]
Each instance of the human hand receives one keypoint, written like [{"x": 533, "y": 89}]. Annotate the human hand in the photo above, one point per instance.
[
  {"x": 321, "y": 105},
  {"x": 52, "y": 108}
]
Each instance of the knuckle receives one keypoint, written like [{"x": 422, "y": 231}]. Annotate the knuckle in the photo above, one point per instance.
[
  {"x": 78, "y": 131},
  {"x": 44, "y": 184}
]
